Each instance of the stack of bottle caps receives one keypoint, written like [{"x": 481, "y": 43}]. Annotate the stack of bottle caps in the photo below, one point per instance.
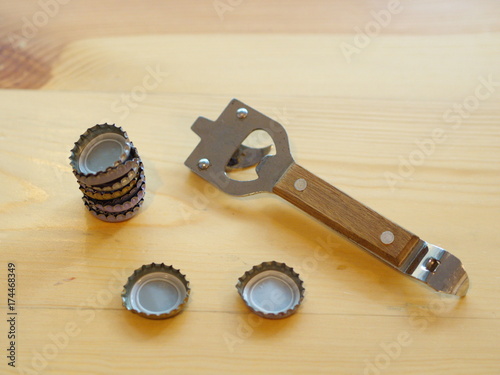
[{"x": 110, "y": 173}]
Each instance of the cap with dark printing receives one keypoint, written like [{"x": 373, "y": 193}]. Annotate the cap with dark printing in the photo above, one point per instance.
[
  {"x": 156, "y": 291},
  {"x": 271, "y": 290}
]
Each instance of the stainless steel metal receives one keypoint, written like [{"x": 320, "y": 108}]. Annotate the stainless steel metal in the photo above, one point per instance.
[
  {"x": 221, "y": 139},
  {"x": 271, "y": 290},
  {"x": 438, "y": 269},
  {"x": 156, "y": 291},
  {"x": 246, "y": 157},
  {"x": 242, "y": 113},
  {"x": 204, "y": 164},
  {"x": 221, "y": 145}
]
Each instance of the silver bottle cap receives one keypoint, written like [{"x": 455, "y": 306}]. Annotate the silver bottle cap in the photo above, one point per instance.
[
  {"x": 140, "y": 185},
  {"x": 271, "y": 290},
  {"x": 118, "y": 205},
  {"x": 110, "y": 173},
  {"x": 119, "y": 183},
  {"x": 114, "y": 217},
  {"x": 115, "y": 172},
  {"x": 99, "y": 148},
  {"x": 91, "y": 192},
  {"x": 156, "y": 291}
]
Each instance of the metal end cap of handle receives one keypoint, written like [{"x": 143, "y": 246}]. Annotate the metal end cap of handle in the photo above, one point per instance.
[{"x": 440, "y": 270}]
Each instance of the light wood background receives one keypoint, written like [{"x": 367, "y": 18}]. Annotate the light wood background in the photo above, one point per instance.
[{"x": 350, "y": 123}]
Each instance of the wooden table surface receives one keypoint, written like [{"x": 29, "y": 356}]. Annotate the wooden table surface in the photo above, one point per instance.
[{"x": 397, "y": 104}]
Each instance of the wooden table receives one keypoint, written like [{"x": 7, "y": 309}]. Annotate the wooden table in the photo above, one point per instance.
[{"x": 405, "y": 119}]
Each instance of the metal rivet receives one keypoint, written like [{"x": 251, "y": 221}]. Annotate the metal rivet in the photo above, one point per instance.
[
  {"x": 387, "y": 237},
  {"x": 204, "y": 164},
  {"x": 432, "y": 265},
  {"x": 242, "y": 113},
  {"x": 300, "y": 184}
]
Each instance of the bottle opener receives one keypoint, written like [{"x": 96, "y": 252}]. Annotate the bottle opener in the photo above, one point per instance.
[{"x": 221, "y": 150}]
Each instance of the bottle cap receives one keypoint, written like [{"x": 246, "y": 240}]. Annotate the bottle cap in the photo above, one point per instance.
[
  {"x": 125, "y": 203},
  {"x": 119, "y": 183},
  {"x": 115, "y": 217},
  {"x": 110, "y": 173},
  {"x": 271, "y": 290},
  {"x": 128, "y": 184},
  {"x": 117, "y": 171},
  {"x": 111, "y": 195},
  {"x": 156, "y": 291},
  {"x": 100, "y": 147},
  {"x": 140, "y": 185}
]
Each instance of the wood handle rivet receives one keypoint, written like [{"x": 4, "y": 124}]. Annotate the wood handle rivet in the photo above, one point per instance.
[
  {"x": 387, "y": 237},
  {"x": 300, "y": 184}
]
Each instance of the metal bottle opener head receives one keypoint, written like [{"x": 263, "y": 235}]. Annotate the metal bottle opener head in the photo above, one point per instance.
[{"x": 221, "y": 150}]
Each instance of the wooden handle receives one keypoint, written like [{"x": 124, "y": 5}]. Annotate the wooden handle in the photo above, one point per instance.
[{"x": 346, "y": 215}]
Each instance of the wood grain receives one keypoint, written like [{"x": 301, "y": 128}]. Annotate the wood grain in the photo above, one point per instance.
[
  {"x": 33, "y": 36},
  {"x": 353, "y": 304},
  {"x": 357, "y": 125},
  {"x": 346, "y": 215}
]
